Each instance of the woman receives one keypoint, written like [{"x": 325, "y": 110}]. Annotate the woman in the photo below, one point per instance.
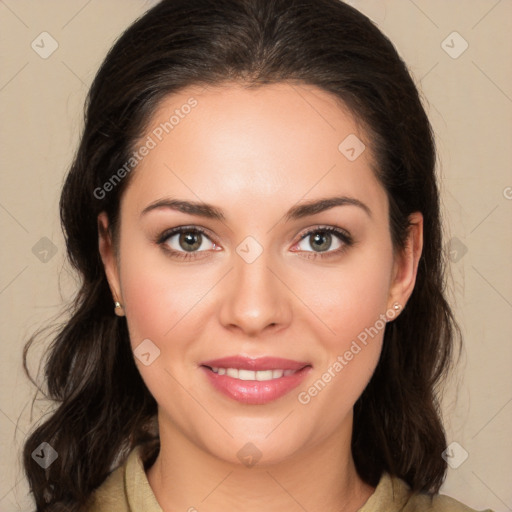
[{"x": 262, "y": 324}]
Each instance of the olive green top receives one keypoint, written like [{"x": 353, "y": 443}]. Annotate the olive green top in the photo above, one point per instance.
[{"x": 127, "y": 490}]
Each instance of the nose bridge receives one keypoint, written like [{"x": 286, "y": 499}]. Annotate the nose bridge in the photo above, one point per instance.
[{"x": 254, "y": 298}]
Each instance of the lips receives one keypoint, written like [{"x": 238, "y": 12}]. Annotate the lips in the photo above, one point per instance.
[{"x": 255, "y": 381}]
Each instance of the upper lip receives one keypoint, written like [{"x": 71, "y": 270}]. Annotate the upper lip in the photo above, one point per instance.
[{"x": 256, "y": 364}]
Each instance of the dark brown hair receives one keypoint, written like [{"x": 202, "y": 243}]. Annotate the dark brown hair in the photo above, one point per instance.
[{"x": 102, "y": 407}]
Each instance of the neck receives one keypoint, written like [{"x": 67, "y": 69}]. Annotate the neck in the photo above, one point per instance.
[{"x": 323, "y": 477}]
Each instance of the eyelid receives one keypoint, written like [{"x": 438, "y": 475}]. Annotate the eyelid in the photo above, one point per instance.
[
  {"x": 185, "y": 255},
  {"x": 343, "y": 236},
  {"x": 181, "y": 229},
  {"x": 326, "y": 228}
]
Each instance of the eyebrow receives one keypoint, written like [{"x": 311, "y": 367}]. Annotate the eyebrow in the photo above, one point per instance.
[{"x": 296, "y": 212}]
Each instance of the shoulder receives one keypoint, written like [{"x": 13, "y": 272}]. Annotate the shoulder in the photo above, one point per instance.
[
  {"x": 437, "y": 503},
  {"x": 394, "y": 494},
  {"x": 126, "y": 489},
  {"x": 111, "y": 494}
]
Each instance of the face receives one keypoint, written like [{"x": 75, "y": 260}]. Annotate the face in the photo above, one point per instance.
[{"x": 291, "y": 259}]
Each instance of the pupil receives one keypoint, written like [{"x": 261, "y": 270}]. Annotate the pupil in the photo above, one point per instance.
[
  {"x": 322, "y": 241},
  {"x": 193, "y": 239}
]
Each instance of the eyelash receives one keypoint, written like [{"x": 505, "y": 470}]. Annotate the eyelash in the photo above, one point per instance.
[{"x": 342, "y": 235}]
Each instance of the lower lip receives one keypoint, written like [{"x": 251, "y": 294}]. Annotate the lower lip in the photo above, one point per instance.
[{"x": 255, "y": 392}]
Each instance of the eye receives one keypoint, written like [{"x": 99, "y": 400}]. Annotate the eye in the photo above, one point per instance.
[
  {"x": 328, "y": 239},
  {"x": 186, "y": 242},
  {"x": 184, "y": 239}
]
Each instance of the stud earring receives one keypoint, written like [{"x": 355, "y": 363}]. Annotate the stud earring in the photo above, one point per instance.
[
  {"x": 392, "y": 313},
  {"x": 118, "y": 309}
]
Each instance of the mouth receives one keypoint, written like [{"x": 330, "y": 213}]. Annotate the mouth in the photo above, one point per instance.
[
  {"x": 255, "y": 381},
  {"x": 259, "y": 375}
]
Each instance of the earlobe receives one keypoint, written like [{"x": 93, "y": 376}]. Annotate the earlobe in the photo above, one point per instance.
[
  {"x": 406, "y": 263},
  {"x": 108, "y": 257}
]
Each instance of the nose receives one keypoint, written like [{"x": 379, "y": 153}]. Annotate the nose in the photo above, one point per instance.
[{"x": 253, "y": 299}]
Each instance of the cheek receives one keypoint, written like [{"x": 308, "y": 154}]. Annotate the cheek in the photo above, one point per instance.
[
  {"x": 353, "y": 296},
  {"x": 353, "y": 306},
  {"x": 329, "y": 398},
  {"x": 349, "y": 356},
  {"x": 161, "y": 305},
  {"x": 159, "y": 295}
]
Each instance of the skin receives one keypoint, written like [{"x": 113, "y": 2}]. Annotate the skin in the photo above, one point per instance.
[{"x": 254, "y": 154}]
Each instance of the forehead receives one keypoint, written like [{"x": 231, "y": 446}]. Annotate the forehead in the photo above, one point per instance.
[{"x": 229, "y": 143}]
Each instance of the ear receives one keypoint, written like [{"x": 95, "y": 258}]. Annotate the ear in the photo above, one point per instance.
[
  {"x": 109, "y": 256},
  {"x": 405, "y": 267}
]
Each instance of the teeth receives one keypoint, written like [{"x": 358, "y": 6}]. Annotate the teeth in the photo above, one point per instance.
[
  {"x": 260, "y": 375},
  {"x": 246, "y": 375},
  {"x": 232, "y": 372}
]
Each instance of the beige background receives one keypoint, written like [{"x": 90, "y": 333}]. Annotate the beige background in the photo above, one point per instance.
[{"x": 469, "y": 100}]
